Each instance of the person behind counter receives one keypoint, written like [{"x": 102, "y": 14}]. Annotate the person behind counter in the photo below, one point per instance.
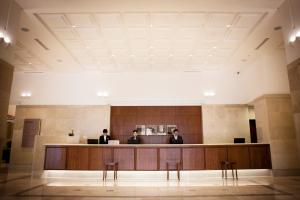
[
  {"x": 134, "y": 139},
  {"x": 175, "y": 138},
  {"x": 104, "y": 137}
]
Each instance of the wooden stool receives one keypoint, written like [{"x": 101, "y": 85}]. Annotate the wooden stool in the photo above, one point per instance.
[
  {"x": 229, "y": 165},
  {"x": 113, "y": 166},
  {"x": 173, "y": 163}
]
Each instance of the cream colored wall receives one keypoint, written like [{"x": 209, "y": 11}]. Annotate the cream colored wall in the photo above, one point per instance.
[
  {"x": 57, "y": 122},
  {"x": 274, "y": 121},
  {"x": 222, "y": 123}
]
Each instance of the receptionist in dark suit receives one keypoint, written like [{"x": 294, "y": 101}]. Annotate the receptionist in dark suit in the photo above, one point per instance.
[
  {"x": 135, "y": 138},
  {"x": 104, "y": 138},
  {"x": 175, "y": 138}
]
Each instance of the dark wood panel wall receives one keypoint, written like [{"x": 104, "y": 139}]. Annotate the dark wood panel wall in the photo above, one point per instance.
[
  {"x": 134, "y": 157},
  {"x": 187, "y": 118}
]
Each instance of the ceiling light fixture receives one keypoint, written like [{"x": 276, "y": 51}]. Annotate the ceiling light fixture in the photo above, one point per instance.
[
  {"x": 228, "y": 25},
  {"x": 7, "y": 39},
  {"x": 26, "y": 94},
  {"x": 214, "y": 47},
  {"x": 102, "y": 94},
  {"x": 209, "y": 93},
  {"x": 293, "y": 34},
  {"x": 4, "y": 34}
]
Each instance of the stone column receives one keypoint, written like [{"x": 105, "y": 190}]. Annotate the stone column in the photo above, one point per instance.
[
  {"x": 275, "y": 125},
  {"x": 6, "y": 76}
]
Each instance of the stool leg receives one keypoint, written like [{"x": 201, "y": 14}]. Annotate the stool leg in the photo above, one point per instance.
[
  {"x": 114, "y": 168},
  {"x": 232, "y": 171},
  {"x": 117, "y": 166},
  {"x": 222, "y": 168},
  {"x": 236, "y": 174},
  {"x": 103, "y": 172},
  {"x": 178, "y": 171},
  {"x": 167, "y": 171},
  {"x": 225, "y": 171}
]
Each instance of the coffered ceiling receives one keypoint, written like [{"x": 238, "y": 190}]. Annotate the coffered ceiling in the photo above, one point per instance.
[
  {"x": 141, "y": 41},
  {"x": 136, "y": 36}
]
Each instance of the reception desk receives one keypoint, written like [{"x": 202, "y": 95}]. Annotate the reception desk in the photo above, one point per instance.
[{"x": 155, "y": 156}]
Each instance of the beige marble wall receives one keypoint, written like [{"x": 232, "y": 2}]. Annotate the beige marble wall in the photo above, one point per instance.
[
  {"x": 57, "y": 122},
  {"x": 294, "y": 80},
  {"x": 275, "y": 125},
  {"x": 222, "y": 123}
]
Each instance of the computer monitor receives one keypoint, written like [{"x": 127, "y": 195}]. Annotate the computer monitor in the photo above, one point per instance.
[
  {"x": 114, "y": 142},
  {"x": 239, "y": 140},
  {"x": 93, "y": 141}
]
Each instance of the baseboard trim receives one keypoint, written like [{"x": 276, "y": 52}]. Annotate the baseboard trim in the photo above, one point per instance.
[{"x": 286, "y": 172}]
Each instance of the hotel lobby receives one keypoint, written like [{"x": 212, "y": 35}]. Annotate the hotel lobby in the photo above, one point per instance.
[{"x": 160, "y": 99}]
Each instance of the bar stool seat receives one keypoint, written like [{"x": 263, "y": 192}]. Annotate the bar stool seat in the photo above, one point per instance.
[
  {"x": 113, "y": 166},
  {"x": 175, "y": 163},
  {"x": 229, "y": 165}
]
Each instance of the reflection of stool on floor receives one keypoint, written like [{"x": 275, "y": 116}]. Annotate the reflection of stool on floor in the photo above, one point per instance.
[
  {"x": 229, "y": 165},
  {"x": 113, "y": 166},
  {"x": 175, "y": 163}
]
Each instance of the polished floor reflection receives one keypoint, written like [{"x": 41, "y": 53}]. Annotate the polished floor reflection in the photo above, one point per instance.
[{"x": 146, "y": 185}]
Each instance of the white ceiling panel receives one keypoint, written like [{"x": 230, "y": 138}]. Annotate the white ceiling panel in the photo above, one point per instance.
[
  {"x": 95, "y": 44},
  {"x": 138, "y": 33},
  {"x": 220, "y": 19},
  {"x": 88, "y": 33},
  {"x": 55, "y": 20},
  {"x": 66, "y": 33},
  {"x": 136, "y": 19},
  {"x": 139, "y": 44},
  {"x": 247, "y": 20},
  {"x": 163, "y": 19},
  {"x": 215, "y": 33},
  {"x": 73, "y": 44},
  {"x": 193, "y": 19},
  {"x": 113, "y": 33},
  {"x": 117, "y": 44},
  {"x": 237, "y": 34},
  {"x": 81, "y": 20},
  {"x": 158, "y": 33},
  {"x": 108, "y": 20}
]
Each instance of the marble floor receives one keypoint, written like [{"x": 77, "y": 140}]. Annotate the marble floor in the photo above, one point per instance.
[{"x": 146, "y": 185}]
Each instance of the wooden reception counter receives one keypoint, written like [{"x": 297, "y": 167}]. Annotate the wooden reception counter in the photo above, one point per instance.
[{"x": 154, "y": 156}]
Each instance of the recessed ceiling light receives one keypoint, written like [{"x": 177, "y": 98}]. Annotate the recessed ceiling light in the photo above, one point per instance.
[
  {"x": 228, "y": 25},
  {"x": 209, "y": 93},
  {"x": 191, "y": 55},
  {"x": 7, "y": 39},
  {"x": 102, "y": 94},
  {"x": 214, "y": 47},
  {"x": 151, "y": 47},
  {"x": 26, "y": 94},
  {"x": 171, "y": 55},
  {"x": 112, "y": 55},
  {"x": 29, "y": 63},
  {"x": 74, "y": 26},
  {"x": 151, "y": 25},
  {"x": 210, "y": 55},
  {"x": 292, "y": 38},
  {"x": 131, "y": 55}
]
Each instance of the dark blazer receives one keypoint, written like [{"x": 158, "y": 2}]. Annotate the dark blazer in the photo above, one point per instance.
[
  {"x": 178, "y": 141},
  {"x": 131, "y": 140},
  {"x": 101, "y": 139}
]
